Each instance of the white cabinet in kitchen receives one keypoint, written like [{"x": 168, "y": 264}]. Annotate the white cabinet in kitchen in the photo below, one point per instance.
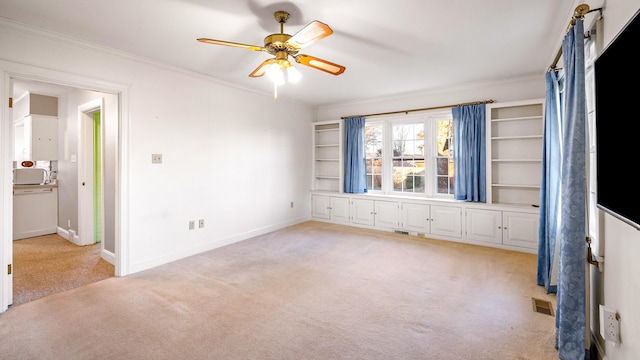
[
  {"x": 510, "y": 228},
  {"x": 332, "y": 208},
  {"x": 36, "y": 138},
  {"x": 432, "y": 219}
]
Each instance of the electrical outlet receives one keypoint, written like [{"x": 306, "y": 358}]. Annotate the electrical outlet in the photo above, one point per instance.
[
  {"x": 201, "y": 223},
  {"x": 192, "y": 224},
  {"x": 292, "y": 204},
  {"x": 609, "y": 324},
  {"x": 156, "y": 158}
]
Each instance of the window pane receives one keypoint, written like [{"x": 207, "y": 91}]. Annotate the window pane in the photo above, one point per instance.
[
  {"x": 443, "y": 185},
  {"x": 373, "y": 147},
  {"x": 408, "y": 157},
  {"x": 443, "y": 166}
]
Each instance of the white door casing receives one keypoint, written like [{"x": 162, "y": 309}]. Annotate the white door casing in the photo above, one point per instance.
[
  {"x": 10, "y": 70},
  {"x": 85, "y": 169}
]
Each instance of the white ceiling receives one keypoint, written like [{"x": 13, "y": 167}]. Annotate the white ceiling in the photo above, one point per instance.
[{"x": 388, "y": 48}]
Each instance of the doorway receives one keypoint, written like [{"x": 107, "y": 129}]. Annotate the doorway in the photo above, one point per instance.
[{"x": 114, "y": 96}]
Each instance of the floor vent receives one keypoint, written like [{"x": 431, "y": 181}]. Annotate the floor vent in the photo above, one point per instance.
[{"x": 542, "y": 306}]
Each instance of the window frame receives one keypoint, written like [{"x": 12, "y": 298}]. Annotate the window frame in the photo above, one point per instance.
[{"x": 430, "y": 121}]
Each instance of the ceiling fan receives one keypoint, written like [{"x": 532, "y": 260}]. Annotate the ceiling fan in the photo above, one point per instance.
[{"x": 283, "y": 45}]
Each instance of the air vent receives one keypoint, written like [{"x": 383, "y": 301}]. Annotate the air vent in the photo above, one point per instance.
[
  {"x": 542, "y": 306},
  {"x": 401, "y": 232}
]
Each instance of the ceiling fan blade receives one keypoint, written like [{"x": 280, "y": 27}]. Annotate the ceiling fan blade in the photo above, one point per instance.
[
  {"x": 320, "y": 64},
  {"x": 233, "y": 44},
  {"x": 311, "y": 33},
  {"x": 260, "y": 70}
]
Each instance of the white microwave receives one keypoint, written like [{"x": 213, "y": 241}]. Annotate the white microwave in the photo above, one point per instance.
[{"x": 28, "y": 176}]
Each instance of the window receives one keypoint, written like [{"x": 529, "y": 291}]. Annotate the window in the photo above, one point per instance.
[
  {"x": 411, "y": 154},
  {"x": 373, "y": 143},
  {"x": 444, "y": 156},
  {"x": 408, "y": 157}
]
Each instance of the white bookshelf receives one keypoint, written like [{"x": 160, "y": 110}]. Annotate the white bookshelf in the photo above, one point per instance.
[
  {"x": 514, "y": 152},
  {"x": 327, "y": 159}
]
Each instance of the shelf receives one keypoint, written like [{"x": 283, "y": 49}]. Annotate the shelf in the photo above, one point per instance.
[
  {"x": 519, "y": 118},
  {"x": 327, "y": 145},
  {"x": 522, "y": 137},
  {"x": 325, "y": 130},
  {"x": 514, "y": 151},
  {"x": 516, "y": 160},
  {"x": 328, "y": 177},
  {"x": 521, "y": 186},
  {"x": 327, "y": 159}
]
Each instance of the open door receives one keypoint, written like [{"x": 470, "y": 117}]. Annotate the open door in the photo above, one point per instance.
[{"x": 90, "y": 173}]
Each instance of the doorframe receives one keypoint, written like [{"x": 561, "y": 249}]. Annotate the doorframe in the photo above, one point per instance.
[
  {"x": 85, "y": 170},
  {"x": 11, "y": 70}
]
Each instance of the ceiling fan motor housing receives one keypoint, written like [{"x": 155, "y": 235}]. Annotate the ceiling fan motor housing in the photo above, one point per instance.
[{"x": 275, "y": 43}]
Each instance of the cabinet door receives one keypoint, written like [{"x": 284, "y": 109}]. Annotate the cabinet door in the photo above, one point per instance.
[
  {"x": 362, "y": 212},
  {"x": 44, "y": 138},
  {"x": 520, "y": 229},
  {"x": 320, "y": 207},
  {"x": 340, "y": 209},
  {"x": 446, "y": 221},
  {"x": 386, "y": 214},
  {"x": 415, "y": 217},
  {"x": 484, "y": 225}
]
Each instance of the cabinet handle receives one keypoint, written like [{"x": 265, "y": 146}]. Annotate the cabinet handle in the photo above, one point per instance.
[
  {"x": 505, "y": 228},
  {"x": 499, "y": 227}
]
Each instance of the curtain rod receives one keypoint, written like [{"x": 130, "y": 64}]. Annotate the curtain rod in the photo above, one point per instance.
[
  {"x": 423, "y": 109},
  {"x": 578, "y": 13}
]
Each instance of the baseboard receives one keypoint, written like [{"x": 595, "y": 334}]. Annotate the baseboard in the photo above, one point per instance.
[
  {"x": 151, "y": 263},
  {"x": 108, "y": 256},
  {"x": 599, "y": 353},
  {"x": 69, "y": 235}
]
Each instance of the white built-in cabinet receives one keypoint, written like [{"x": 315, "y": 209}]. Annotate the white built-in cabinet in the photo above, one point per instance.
[
  {"x": 327, "y": 156},
  {"x": 336, "y": 209},
  {"x": 508, "y": 220},
  {"x": 36, "y": 138},
  {"x": 506, "y": 226},
  {"x": 514, "y": 152},
  {"x": 439, "y": 220},
  {"x": 380, "y": 213},
  {"x": 510, "y": 228}
]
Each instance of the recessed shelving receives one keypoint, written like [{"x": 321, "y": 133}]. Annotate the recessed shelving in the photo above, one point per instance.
[
  {"x": 514, "y": 152},
  {"x": 326, "y": 152}
]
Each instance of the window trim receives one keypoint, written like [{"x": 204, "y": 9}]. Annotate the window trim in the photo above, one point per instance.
[{"x": 430, "y": 119}]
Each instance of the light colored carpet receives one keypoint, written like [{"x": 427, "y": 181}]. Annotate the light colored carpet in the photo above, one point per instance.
[
  {"x": 49, "y": 264},
  {"x": 310, "y": 291}
]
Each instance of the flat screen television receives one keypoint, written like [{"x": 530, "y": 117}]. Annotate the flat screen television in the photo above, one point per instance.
[{"x": 617, "y": 93}]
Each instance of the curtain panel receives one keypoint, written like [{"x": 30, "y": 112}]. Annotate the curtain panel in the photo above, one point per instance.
[
  {"x": 550, "y": 183},
  {"x": 469, "y": 152},
  {"x": 355, "y": 170},
  {"x": 571, "y": 311}
]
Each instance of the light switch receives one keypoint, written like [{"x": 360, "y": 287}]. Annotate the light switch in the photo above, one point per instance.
[{"x": 156, "y": 158}]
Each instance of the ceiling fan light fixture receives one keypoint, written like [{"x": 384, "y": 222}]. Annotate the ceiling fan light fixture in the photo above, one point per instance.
[
  {"x": 275, "y": 73},
  {"x": 293, "y": 75}
]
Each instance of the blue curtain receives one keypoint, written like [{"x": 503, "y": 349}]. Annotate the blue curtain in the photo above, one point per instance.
[
  {"x": 355, "y": 170},
  {"x": 550, "y": 184},
  {"x": 570, "y": 315},
  {"x": 469, "y": 152}
]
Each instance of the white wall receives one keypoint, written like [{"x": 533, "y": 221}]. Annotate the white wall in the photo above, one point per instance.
[
  {"x": 532, "y": 87},
  {"x": 232, "y": 157},
  {"x": 618, "y": 286}
]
